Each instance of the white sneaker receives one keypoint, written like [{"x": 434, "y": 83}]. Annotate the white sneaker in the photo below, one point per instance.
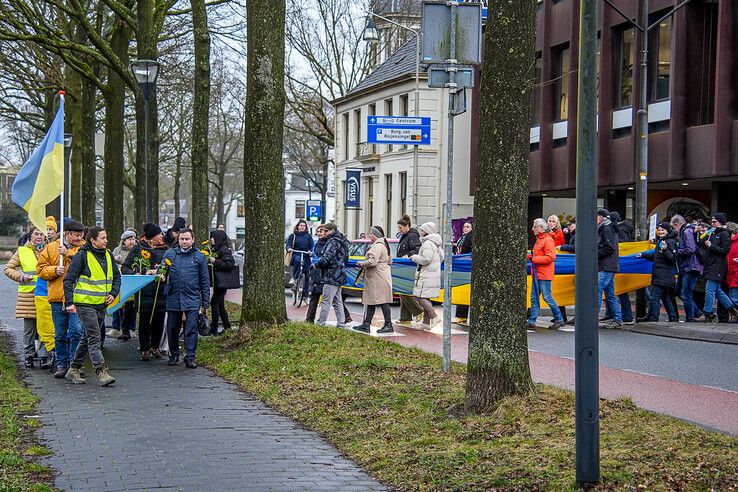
[
  {"x": 113, "y": 333},
  {"x": 402, "y": 322},
  {"x": 435, "y": 321},
  {"x": 418, "y": 318},
  {"x": 292, "y": 281},
  {"x": 424, "y": 326}
]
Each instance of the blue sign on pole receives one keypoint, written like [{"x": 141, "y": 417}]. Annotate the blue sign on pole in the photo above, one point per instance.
[
  {"x": 314, "y": 210},
  {"x": 353, "y": 188},
  {"x": 398, "y": 130}
]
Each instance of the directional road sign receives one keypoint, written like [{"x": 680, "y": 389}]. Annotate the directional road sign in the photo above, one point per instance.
[
  {"x": 314, "y": 210},
  {"x": 399, "y": 130}
]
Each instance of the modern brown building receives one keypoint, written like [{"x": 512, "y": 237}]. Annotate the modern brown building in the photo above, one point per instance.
[{"x": 693, "y": 107}]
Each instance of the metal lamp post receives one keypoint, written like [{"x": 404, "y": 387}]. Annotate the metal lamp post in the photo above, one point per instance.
[
  {"x": 146, "y": 73},
  {"x": 372, "y": 35}
]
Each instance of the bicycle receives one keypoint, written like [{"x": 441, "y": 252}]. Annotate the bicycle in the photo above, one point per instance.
[{"x": 298, "y": 288}]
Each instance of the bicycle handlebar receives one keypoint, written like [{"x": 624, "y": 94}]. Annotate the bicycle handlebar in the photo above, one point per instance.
[{"x": 301, "y": 252}]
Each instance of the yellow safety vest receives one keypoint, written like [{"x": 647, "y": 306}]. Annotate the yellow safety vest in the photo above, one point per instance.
[
  {"x": 93, "y": 289},
  {"x": 28, "y": 263}
]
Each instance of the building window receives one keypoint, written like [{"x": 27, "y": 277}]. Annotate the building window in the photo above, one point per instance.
[
  {"x": 660, "y": 69},
  {"x": 625, "y": 59},
  {"x": 562, "y": 67},
  {"x": 403, "y": 193},
  {"x": 388, "y": 198},
  {"x": 370, "y": 201},
  {"x": 537, "y": 90},
  {"x": 240, "y": 209},
  {"x": 357, "y": 129},
  {"x": 299, "y": 209},
  {"x": 404, "y": 109},
  {"x": 346, "y": 142}
]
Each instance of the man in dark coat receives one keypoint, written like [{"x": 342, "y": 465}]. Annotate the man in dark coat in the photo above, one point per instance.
[
  {"x": 331, "y": 265},
  {"x": 608, "y": 264},
  {"x": 408, "y": 246},
  {"x": 715, "y": 245},
  {"x": 316, "y": 276},
  {"x": 188, "y": 295},
  {"x": 690, "y": 268},
  {"x": 626, "y": 234}
]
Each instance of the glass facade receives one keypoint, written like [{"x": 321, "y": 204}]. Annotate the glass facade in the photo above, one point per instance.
[
  {"x": 625, "y": 59},
  {"x": 661, "y": 67},
  {"x": 562, "y": 69}
]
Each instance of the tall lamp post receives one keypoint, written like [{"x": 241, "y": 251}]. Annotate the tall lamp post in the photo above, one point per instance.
[
  {"x": 372, "y": 35},
  {"x": 68, "y": 172},
  {"x": 146, "y": 73}
]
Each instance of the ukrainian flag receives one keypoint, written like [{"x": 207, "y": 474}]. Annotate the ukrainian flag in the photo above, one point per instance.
[{"x": 41, "y": 179}]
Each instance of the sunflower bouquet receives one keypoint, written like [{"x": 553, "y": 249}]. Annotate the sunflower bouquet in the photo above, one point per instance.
[
  {"x": 142, "y": 264},
  {"x": 161, "y": 275},
  {"x": 209, "y": 253}
]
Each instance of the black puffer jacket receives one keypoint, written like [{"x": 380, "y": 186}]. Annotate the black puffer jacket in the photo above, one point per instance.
[
  {"x": 316, "y": 274},
  {"x": 608, "y": 254},
  {"x": 146, "y": 296},
  {"x": 714, "y": 256},
  {"x": 224, "y": 266},
  {"x": 571, "y": 246},
  {"x": 465, "y": 244},
  {"x": 664, "y": 261},
  {"x": 333, "y": 261},
  {"x": 410, "y": 243}
]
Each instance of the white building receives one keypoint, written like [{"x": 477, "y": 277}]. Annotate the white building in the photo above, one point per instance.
[{"x": 389, "y": 187}]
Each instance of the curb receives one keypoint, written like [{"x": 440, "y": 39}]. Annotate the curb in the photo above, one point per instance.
[{"x": 673, "y": 330}]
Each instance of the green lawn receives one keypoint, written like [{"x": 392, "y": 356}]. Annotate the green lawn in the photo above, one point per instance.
[
  {"x": 18, "y": 469},
  {"x": 392, "y": 410}
]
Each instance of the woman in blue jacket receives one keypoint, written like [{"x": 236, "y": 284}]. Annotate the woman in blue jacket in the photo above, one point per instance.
[{"x": 300, "y": 240}]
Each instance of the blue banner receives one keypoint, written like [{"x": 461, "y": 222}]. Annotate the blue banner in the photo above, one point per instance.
[{"x": 353, "y": 188}]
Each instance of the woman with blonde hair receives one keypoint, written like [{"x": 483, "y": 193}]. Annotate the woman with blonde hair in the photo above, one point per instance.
[{"x": 554, "y": 226}]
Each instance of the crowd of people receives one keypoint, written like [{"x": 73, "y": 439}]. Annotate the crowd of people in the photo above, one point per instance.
[
  {"x": 693, "y": 260},
  {"x": 65, "y": 285}
]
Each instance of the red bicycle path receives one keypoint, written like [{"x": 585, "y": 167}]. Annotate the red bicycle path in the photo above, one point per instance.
[{"x": 709, "y": 407}]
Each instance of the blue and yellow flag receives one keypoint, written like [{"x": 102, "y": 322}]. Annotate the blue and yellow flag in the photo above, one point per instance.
[{"x": 41, "y": 179}]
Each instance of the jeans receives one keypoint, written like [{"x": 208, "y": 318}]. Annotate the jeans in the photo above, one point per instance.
[
  {"x": 67, "y": 334},
  {"x": 331, "y": 296},
  {"x": 174, "y": 326},
  {"x": 688, "y": 281},
  {"x": 606, "y": 284},
  {"x": 733, "y": 294},
  {"x": 92, "y": 318},
  {"x": 409, "y": 308},
  {"x": 713, "y": 289},
  {"x": 658, "y": 295},
  {"x": 542, "y": 288}
]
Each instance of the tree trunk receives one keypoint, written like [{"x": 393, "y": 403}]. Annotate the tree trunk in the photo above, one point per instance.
[
  {"x": 263, "y": 290},
  {"x": 200, "y": 121},
  {"x": 87, "y": 153},
  {"x": 114, "y": 169},
  {"x": 498, "y": 345}
]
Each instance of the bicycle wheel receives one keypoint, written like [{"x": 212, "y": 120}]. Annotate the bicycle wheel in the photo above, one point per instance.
[
  {"x": 300, "y": 284},
  {"x": 294, "y": 292}
]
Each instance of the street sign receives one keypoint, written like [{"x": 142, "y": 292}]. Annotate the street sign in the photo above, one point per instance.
[
  {"x": 652, "y": 222},
  {"x": 436, "y": 29},
  {"x": 438, "y": 77},
  {"x": 314, "y": 210},
  {"x": 398, "y": 130}
]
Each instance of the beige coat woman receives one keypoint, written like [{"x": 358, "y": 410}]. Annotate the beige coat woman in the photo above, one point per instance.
[
  {"x": 26, "y": 305},
  {"x": 377, "y": 275}
]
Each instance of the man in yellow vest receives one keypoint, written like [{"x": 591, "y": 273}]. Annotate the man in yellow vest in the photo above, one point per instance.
[
  {"x": 92, "y": 282},
  {"x": 21, "y": 268}
]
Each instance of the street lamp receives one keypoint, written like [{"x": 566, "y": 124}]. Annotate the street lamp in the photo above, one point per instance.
[
  {"x": 68, "y": 172},
  {"x": 372, "y": 35},
  {"x": 146, "y": 73}
]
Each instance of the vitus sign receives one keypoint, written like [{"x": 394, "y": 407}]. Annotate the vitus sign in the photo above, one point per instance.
[{"x": 353, "y": 188}]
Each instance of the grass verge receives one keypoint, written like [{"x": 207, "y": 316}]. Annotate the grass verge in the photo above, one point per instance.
[
  {"x": 18, "y": 469},
  {"x": 392, "y": 410}
]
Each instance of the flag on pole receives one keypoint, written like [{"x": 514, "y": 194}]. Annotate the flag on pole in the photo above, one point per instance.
[{"x": 41, "y": 179}]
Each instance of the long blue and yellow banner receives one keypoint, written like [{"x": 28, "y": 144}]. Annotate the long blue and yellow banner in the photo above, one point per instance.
[{"x": 635, "y": 273}]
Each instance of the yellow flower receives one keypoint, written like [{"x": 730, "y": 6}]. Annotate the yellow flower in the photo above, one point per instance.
[
  {"x": 168, "y": 262},
  {"x": 205, "y": 252},
  {"x": 205, "y": 242},
  {"x": 145, "y": 254}
]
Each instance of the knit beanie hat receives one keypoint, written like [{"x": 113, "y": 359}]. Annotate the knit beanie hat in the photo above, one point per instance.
[
  {"x": 428, "y": 228},
  {"x": 127, "y": 234},
  {"x": 51, "y": 222},
  {"x": 151, "y": 230},
  {"x": 721, "y": 217},
  {"x": 665, "y": 225},
  {"x": 179, "y": 223}
]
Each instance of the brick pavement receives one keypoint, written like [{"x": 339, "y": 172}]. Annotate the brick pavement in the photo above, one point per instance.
[{"x": 170, "y": 428}]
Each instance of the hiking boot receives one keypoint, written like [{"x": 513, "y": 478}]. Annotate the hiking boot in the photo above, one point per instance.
[
  {"x": 60, "y": 372},
  {"x": 104, "y": 377},
  {"x": 28, "y": 363},
  {"x": 570, "y": 322},
  {"x": 387, "y": 328},
  {"x": 190, "y": 364},
  {"x": 364, "y": 328},
  {"x": 74, "y": 376},
  {"x": 556, "y": 325},
  {"x": 709, "y": 317}
]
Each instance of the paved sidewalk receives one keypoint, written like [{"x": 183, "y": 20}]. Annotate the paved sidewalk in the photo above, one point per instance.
[{"x": 170, "y": 428}]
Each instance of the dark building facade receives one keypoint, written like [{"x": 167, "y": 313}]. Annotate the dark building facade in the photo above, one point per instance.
[{"x": 692, "y": 92}]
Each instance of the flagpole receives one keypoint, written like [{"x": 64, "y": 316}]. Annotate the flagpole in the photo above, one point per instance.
[{"x": 61, "y": 202}]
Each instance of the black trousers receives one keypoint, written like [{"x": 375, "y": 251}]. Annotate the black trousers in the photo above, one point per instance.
[
  {"x": 150, "y": 329},
  {"x": 218, "y": 310},
  {"x": 385, "y": 312}
]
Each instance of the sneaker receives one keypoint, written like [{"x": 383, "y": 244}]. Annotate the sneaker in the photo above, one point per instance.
[
  {"x": 606, "y": 318},
  {"x": 611, "y": 325},
  {"x": 342, "y": 326},
  {"x": 364, "y": 328},
  {"x": 113, "y": 333},
  {"x": 646, "y": 319},
  {"x": 629, "y": 322},
  {"x": 28, "y": 363},
  {"x": 190, "y": 364},
  {"x": 404, "y": 322},
  {"x": 349, "y": 319},
  {"x": 104, "y": 377},
  {"x": 74, "y": 376},
  {"x": 459, "y": 321},
  {"x": 45, "y": 362},
  {"x": 155, "y": 354},
  {"x": 435, "y": 321},
  {"x": 173, "y": 360},
  {"x": 570, "y": 322},
  {"x": 531, "y": 326},
  {"x": 60, "y": 372},
  {"x": 387, "y": 328},
  {"x": 709, "y": 317},
  {"x": 292, "y": 282},
  {"x": 145, "y": 355},
  {"x": 556, "y": 325},
  {"x": 418, "y": 318}
]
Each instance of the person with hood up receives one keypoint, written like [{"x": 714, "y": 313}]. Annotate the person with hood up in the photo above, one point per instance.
[
  {"x": 92, "y": 283},
  {"x": 188, "y": 295},
  {"x": 146, "y": 258},
  {"x": 377, "y": 281},
  {"x": 331, "y": 265},
  {"x": 664, "y": 258},
  {"x": 554, "y": 227},
  {"x": 542, "y": 260},
  {"x": 428, "y": 274},
  {"x": 67, "y": 326},
  {"x": 225, "y": 276},
  {"x": 714, "y": 245},
  {"x": 464, "y": 246},
  {"x": 124, "y": 319},
  {"x": 21, "y": 268},
  {"x": 172, "y": 236},
  {"x": 409, "y": 245},
  {"x": 608, "y": 264},
  {"x": 690, "y": 268}
]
